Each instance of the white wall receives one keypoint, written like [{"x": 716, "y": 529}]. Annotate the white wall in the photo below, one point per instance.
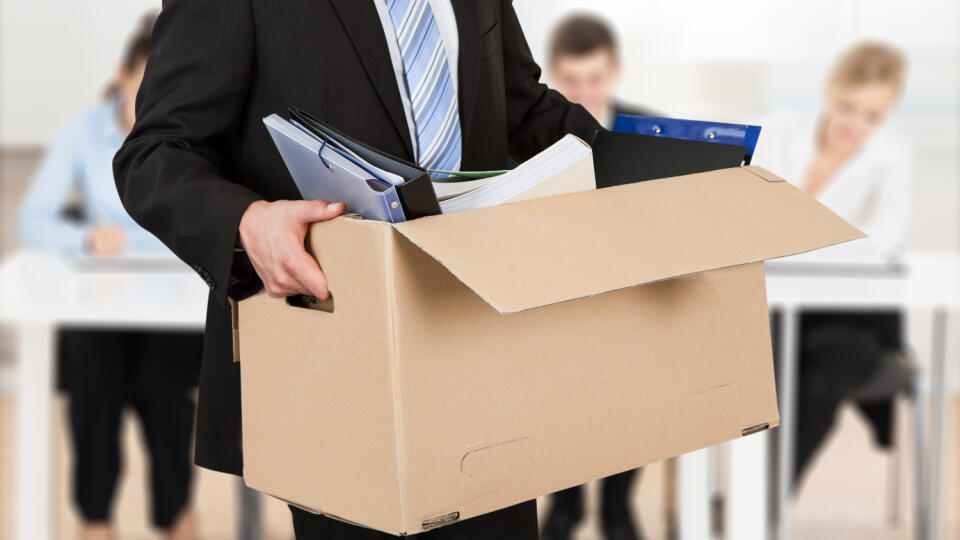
[
  {"x": 735, "y": 60},
  {"x": 56, "y": 57},
  {"x": 788, "y": 44}
]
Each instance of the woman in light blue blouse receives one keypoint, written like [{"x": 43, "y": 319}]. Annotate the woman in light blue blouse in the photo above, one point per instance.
[
  {"x": 79, "y": 164},
  {"x": 73, "y": 209}
]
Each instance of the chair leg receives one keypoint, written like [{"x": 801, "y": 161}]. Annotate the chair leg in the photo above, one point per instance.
[
  {"x": 919, "y": 463},
  {"x": 895, "y": 465}
]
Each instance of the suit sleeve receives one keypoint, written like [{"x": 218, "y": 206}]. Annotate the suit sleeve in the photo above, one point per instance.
[
  {"x": 536, "y": 115},
  {"x": 172, "y": 171}
]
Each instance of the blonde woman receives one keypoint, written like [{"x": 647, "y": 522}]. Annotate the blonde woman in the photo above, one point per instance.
[{"x": 847, "y": 158}]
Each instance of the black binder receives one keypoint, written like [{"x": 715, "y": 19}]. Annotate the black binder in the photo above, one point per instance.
[
  {"x": 416, "y": 193},
  {"x": 624, "y": 158}
]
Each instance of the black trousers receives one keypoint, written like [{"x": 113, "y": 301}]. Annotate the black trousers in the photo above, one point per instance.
[
  {"x": 103, "y": 372},
  {"x": 517, "y": 522},
  {"x": 838, "y": 351},
  {"x": 614, "y": 499}
]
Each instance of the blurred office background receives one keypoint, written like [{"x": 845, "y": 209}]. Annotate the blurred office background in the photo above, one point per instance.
[{"x": 736, "y": 61}]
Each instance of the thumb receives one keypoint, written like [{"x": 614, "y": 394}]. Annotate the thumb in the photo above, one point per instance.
[
  {"x": 333, "y": 210},
  {"x": 320, "y": 210}
]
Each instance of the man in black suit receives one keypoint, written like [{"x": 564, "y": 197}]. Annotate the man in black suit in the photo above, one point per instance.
[
  {"x": 200, "y": 172},
  {"x": 584, "y": 66}
]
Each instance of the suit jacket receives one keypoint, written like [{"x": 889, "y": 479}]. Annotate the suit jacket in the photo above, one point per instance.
[{"x": 199, "y": 154}]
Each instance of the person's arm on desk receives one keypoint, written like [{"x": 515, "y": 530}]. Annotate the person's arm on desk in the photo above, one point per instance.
[
  {"x": 41, "y": 224},
  {"x": 172, "y": 170}
]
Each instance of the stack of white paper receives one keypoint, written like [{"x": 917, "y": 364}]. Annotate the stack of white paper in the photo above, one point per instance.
[{"x": 565, "y": 167}]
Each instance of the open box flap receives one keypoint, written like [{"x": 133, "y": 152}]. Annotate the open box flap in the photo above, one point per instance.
[{"x": 534, "y": 253}]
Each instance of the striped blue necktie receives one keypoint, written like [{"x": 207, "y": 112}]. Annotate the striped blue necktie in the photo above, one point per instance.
[{"x": 432, "y": 95}]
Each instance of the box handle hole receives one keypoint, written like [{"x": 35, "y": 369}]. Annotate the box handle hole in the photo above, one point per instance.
[{"x": 307, "y": 301}]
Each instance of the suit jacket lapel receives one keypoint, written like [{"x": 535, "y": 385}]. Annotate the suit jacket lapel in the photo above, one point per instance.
[
  {"x": 468, "y": 62},
  {"x": 362, "y": 22}
]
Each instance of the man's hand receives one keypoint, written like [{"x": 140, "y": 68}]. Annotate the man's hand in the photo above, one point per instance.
[
  {"x": 272, "y": 234},
  {"x": 105, "y": 241}
]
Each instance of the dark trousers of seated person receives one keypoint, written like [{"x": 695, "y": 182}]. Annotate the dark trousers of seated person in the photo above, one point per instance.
[
  {"x": 616, "y": 520},
  {"x": 838, "y": 352},
  {"x": 517, "y": 522},
  {"x": 614, "y": 499},
  {"x": 153, "y": 372}
]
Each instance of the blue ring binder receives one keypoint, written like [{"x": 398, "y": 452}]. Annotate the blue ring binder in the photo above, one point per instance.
[{"x": 694, "y": 130}]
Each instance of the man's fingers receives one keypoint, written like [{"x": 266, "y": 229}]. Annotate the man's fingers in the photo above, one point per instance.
[
  {"x": 319, "y": 210},
  {"x": 275, "y": 291},
  {"x": 307, "y": 272},
  {"x": 273, "y": 237},
  {"x": 333, "y": 210},
  {"x": 278, "y": 283},
  {"x": 284, "y": 285}
]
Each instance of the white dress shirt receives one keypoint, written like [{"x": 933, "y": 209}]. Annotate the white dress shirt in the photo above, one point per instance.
[
  {"x": 447, "y": 23},
  {"x": 871, "y": 192}
]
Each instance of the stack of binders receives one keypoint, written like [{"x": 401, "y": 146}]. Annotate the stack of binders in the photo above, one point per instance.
[{"x": 326, "y": 164}]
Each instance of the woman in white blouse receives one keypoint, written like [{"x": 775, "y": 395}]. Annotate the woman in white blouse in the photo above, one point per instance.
[{"x": 847, "y": 159}]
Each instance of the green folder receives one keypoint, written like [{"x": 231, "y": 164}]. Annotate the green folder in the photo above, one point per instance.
[{"x": 463, "y": 176}]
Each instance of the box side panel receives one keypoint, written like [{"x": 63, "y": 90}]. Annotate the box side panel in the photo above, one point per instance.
[
  {"x": 318, "y": 416},
  {"x": 498, "y": 409}
]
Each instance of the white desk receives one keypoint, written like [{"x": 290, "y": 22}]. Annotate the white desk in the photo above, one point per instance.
[
  {"x": 930, "y": 283},
  {"x": 38, "y": 294}
]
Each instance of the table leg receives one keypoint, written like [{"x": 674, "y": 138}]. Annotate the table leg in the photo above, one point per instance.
[
  {"x": 34, "y": 432},
  {"x": 787, "y": 387},
  {"x": 693, "y": 478},
  {"x": 746, "y": 502},
  {"x": 718, "y": 464},
  {"x": 934, "y": 481}
]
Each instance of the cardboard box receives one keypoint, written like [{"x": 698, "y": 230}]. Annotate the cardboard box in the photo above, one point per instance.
[{"x": 479, "y": 359}]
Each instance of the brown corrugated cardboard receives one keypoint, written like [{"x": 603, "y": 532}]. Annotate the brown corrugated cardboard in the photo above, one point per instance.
[
  {"x": 518, "y": 257},
  {"x": 478, "y": 359}
]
